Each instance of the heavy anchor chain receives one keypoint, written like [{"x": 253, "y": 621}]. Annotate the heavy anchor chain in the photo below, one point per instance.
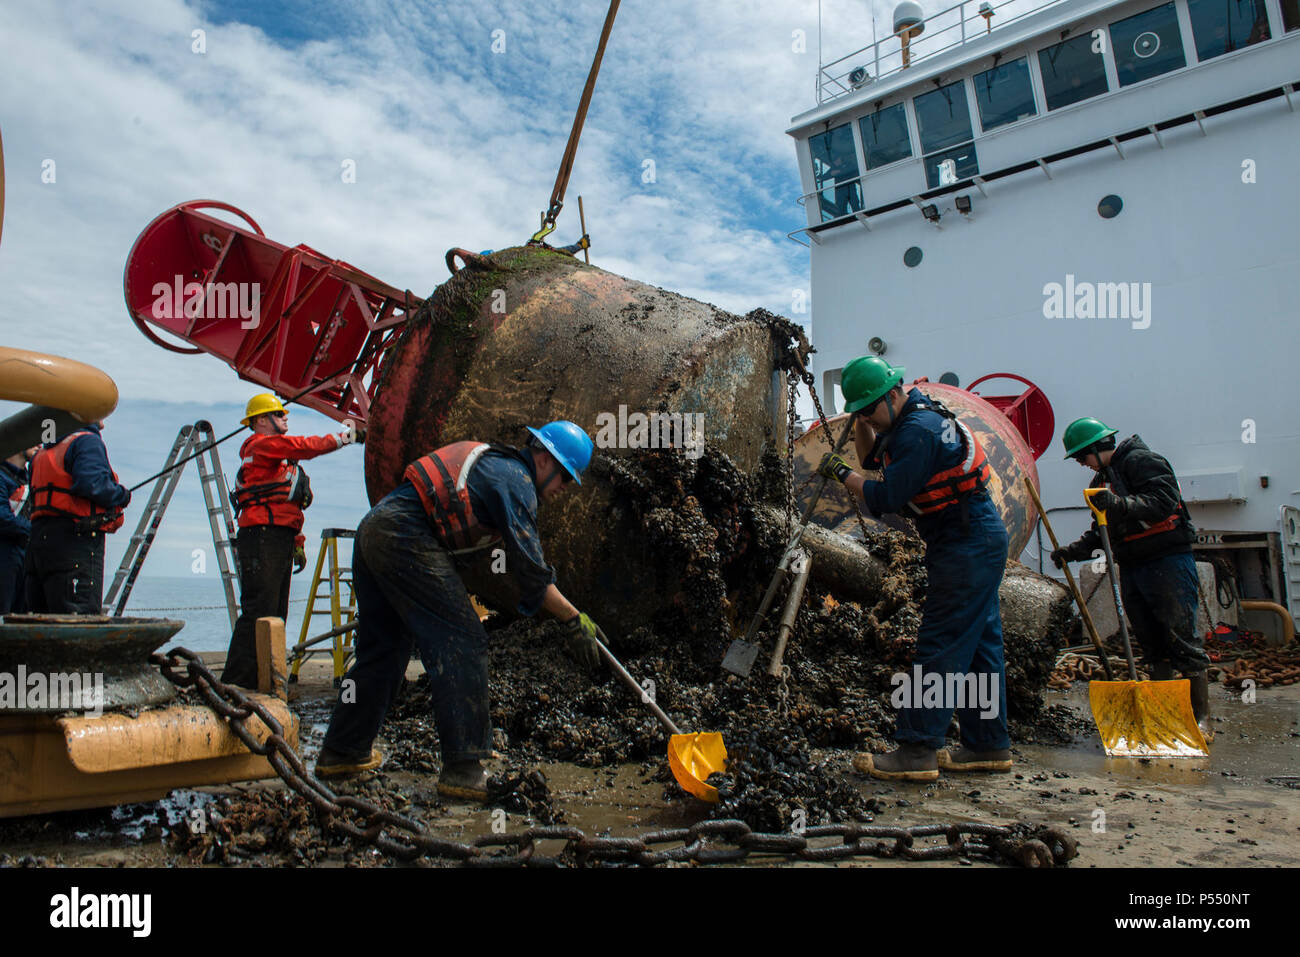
[
  {"x": 809, "y": 380},
  {"x": 707, "y": 842}
]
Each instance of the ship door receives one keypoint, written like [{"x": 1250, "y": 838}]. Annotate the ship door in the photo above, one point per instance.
[{"x": 1291, "y": 559}]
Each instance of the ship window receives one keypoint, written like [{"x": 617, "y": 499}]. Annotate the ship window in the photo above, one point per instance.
[
  {"x": 1290, "y": 15},
  {"x": 950, "y": 166},
  {"x": 835, "y": 161},
  {"x": 884, "y": 136},
  {"x": 1004, "y": 94},
  {"x": 944, "y": 117},
  {"x": 1072, "y": 71},
  {"x": 1147, "y": 44},
  {"x": 944, "y": 120},
  {"x": 1221, "y": 26}
]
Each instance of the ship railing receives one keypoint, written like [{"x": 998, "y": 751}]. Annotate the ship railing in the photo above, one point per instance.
[{"x": 946, "y": 30}]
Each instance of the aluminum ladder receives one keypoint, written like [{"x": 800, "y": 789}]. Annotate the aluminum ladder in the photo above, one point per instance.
[{"x": 195, "y": 441}]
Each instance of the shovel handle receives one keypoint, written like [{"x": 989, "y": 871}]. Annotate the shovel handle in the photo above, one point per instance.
[
  {"x": 636, "y": 689},
  {"x": 1069, "y": 577},
  {"x": 1098, "y": 513},
  {"x": 802, "y": 566},
  {"x": 1119, "y": 612}
]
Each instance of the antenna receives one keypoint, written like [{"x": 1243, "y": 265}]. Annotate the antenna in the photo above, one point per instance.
[{"x": 909, "y": 21}]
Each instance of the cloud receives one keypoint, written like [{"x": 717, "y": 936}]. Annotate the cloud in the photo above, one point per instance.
[{"x": 454, "y": 145}]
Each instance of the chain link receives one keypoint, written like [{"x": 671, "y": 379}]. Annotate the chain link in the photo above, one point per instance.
[{"x": 707, "y": 842}]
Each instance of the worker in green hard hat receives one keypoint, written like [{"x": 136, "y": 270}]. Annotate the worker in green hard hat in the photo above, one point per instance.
[
  {"x": 934, "y": 470},
  {"x": 1151, "y": 534}
]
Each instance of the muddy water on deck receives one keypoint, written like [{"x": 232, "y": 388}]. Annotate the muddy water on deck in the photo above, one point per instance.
[
  {"x": 1204, "y": 813},
  {"x": 1124, "y": 812}
]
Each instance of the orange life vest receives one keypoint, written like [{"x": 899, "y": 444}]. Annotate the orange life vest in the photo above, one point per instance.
[
  {"x": 952, "y": 486},
  {"x": 52, "y": 491},
  {"x": 17, "y": 498},
  {"x": 440, "y": 480}
]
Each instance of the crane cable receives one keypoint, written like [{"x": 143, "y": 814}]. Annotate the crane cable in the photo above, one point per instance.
[{"x": 571, "y": 150}]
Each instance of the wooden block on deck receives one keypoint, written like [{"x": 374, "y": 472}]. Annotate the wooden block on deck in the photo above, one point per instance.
[{"x": 272, "y": 667}]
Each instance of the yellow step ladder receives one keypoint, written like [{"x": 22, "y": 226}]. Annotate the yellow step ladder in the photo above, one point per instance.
[{"x": 340, "y": 606}]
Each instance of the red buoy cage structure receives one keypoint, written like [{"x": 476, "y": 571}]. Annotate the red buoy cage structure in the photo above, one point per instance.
[{"x": 290, "y": 319}]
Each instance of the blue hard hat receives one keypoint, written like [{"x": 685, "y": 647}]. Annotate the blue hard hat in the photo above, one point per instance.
[{"x": 568, "y": 443}]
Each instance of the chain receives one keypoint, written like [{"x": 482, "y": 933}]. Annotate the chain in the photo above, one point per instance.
[
  {"x": 133, "y": 609},
  {"x": 707, "y": 842},
  {"x": 792, "y": 393},
  {"x": 808, "y": 380},
  {"x": 783, "y": 694}
]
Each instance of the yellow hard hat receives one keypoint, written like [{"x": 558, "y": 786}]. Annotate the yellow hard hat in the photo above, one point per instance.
[{"x": 260, "y": 405}]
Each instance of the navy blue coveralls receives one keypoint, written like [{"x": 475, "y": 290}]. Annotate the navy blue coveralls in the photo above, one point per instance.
[
  {"x": 409, "y": 593},
  {"x": 961, "y": 623},
  {"x": 15, "y": 530}
]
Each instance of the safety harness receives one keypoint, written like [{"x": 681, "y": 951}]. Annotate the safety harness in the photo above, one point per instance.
[
  {"x": 291, "y": 486},
  {"x": 1174, "y": 520}
]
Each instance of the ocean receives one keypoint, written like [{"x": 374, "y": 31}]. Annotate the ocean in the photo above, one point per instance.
[{"x": 200, "y": 602}]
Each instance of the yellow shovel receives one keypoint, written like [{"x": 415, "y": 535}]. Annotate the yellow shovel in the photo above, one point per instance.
[
  {"x": 691, "y": 757},
  {"x": 1141, "y": 719}
]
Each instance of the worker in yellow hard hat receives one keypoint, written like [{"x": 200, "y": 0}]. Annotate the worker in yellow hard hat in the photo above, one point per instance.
[
  {"x": 271, "y": 491},
  {"x": 262, "y": 404}
]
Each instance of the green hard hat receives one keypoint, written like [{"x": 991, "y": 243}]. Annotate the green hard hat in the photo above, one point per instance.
[
  {"x": 866, "y": 379},
  {"x": 1081, "y": 433}
]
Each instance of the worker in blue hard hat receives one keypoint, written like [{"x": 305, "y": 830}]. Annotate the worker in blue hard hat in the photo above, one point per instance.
[
  {"x": 460, "y": 498},
  {"x": 934, "y": 470}
]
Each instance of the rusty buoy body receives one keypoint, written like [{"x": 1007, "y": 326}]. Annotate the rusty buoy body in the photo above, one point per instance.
[
  {"x": 1009, "y": 455},
  {"x": 527, "y": 335}
]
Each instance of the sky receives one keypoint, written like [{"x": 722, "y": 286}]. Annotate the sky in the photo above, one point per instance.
[{"x": 454, "y": 117}]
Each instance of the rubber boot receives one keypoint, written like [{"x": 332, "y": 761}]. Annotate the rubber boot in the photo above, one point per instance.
[
  {"x": 964, "y": 759},
  {"x": 1162, "y": 671},
  {"x": 333, "y": 764},
  {"x": 466, "y": 780},
  {"x": 908, "y": 762},
  {"x": 1201, "y": 704}
]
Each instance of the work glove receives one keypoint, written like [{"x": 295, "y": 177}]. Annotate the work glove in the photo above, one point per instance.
[
  {"x": 834, "y": 467},
  {"x": 299, "y": 558},
  {"x": 1108, "y": 502},
  {"x": 1061, "y": 556},
  {"x": 581, "y": 634}
]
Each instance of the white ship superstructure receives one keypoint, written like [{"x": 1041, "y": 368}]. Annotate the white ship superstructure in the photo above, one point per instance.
[{"x": 1100, "y": 197}]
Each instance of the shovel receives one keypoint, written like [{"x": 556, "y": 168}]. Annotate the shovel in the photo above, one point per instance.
[
  {"x": 691, "y": 757},
  {"x": 1141, "y": 719},
  {"x": 743, "y": 652}
]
